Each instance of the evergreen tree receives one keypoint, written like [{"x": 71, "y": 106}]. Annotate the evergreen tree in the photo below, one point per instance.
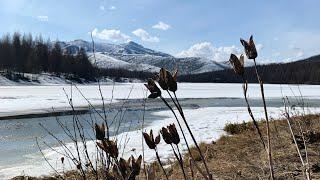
[{"x": 17, "y": 52}]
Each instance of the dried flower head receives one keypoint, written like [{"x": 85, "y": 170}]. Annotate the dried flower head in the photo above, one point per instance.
[
  {"x": 237, "y": 64},
  {"x": 127, "y": 169},
  {"x": 150, "y": 141},
  {"x": 166, "y": 135},
  {"x": 135, "y": 165},
  {"x": 174, "y": 134},
  {"x": 170, "y": 134},
  {"x": 153, "y": 88},
  {"x": 249, "y": 48},
  {"x": 110, "y": 147},
  {"x": 162, "y": 79},
  {"x": 124, "y": 168},
  {"x": 100, "y": 131},
  {"x": 167, "y": 81}
]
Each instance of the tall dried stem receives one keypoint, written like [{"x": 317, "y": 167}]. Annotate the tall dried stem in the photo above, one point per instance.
[
  {"x": 267, "y": 121},
  {"x": 191, "y": 134},
  {"x": 245, "y": 89},
  {"x": 184, "y": 137}
]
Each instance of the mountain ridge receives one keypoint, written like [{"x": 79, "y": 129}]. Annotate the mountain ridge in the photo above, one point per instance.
[
  {"x": 304, "y": 71},
  {"x": 135, "y": 57}
]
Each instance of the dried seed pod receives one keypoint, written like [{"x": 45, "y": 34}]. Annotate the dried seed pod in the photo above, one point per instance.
[
  {"x": 135, "y": 166},
  {"x": 237, "y": 64},
  {"x": 157, "y": 140},
  {"x": 166, "y": 135},
  {"x": 109, "y": 147},
  {"x": 162, "y": 80},
  {"x": 172, "y": 83},
  {"x": 100, "y": 131},
  {"x": 153, "y": 88},
  {"x": 150, "y": 141},
  {"x": 174, "y": 134},
  {"x": 167, "y": 81},
  {"x": 124, "y": 168},
  {"x": 114, "y": 152},
  {"x": 249, "y": 48}
]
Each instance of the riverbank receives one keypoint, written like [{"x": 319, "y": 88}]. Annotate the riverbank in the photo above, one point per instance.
[{"x": 240, "y": 154}]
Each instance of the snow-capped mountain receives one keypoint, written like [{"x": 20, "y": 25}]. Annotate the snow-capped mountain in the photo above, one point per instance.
[
  {"x": 135, "y": 57},
  {"x": 126, "y": 48},
  {"x": 107, "y": 62}
]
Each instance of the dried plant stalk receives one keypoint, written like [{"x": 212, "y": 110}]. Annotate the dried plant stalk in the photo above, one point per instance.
[{"x": 267, "y": 121}]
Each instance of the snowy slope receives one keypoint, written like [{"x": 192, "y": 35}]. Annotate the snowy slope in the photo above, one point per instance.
[
  {"x": 126, "y": 48},
  {"x": 187, "y": 65},
  {"x": 107, "y": 62},
  {"x": 133, "y": 56}
]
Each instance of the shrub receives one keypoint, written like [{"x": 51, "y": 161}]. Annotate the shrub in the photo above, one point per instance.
[{"x": 237, "y": 128}]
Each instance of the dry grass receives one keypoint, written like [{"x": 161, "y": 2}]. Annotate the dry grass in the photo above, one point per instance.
[{"x": 241, "y": 156}]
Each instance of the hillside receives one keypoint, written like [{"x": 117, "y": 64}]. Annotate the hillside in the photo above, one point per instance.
[
  {"x": 306, "y": 71},
  {"x": 135, "y": 57}
]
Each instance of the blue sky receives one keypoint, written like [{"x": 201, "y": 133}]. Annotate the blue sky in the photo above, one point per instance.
[{"x": 283, "y": 30}]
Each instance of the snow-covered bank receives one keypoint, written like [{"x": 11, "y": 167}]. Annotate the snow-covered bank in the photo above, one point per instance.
[
  {"x": 206, "y": 124},
  {"x": 47, "y": 79},
  {"x": 41, "y": 99}
]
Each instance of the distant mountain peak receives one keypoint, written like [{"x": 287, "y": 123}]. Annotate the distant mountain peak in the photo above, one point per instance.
[
  {"x": 132, "y": 43},
  {"x": 136, "y": 57},
  {"x": 129, "y": 48}
]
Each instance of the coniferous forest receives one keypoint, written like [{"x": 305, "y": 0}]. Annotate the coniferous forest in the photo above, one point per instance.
[
  {"x": 25, "y": 54},
  {"x": 305, "y": 71}
]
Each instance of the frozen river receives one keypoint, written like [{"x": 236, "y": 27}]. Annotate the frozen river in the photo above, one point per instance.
[{"x": 208, "y": 107}]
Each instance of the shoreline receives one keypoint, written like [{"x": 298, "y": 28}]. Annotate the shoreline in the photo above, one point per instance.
[
  {"x": 207, "y": 124},
  {"x": 137, "y": 104},
  {"x": 44, "y": 114},
  {"x": 239, "y": 154}
]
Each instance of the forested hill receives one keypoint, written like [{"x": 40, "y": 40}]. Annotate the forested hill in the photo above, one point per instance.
[{"x": 305, "y": 71}]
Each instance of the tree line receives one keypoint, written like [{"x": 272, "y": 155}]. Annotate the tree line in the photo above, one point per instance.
[
  {"x": 305, "y": 71},
  {"x": 25, "y": 54}
]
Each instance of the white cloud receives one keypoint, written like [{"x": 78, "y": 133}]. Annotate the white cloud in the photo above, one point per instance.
[
  {"x": 102, "y": 8},
  {"x": 42, "y": 18},
  {"x": 207, "y": 50},
  {"x": 112, "y": 8},
  {"x": 113, "y": 35},
  {"x": 162, "y": 26},
  {"x": 145, "y": 36}
]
